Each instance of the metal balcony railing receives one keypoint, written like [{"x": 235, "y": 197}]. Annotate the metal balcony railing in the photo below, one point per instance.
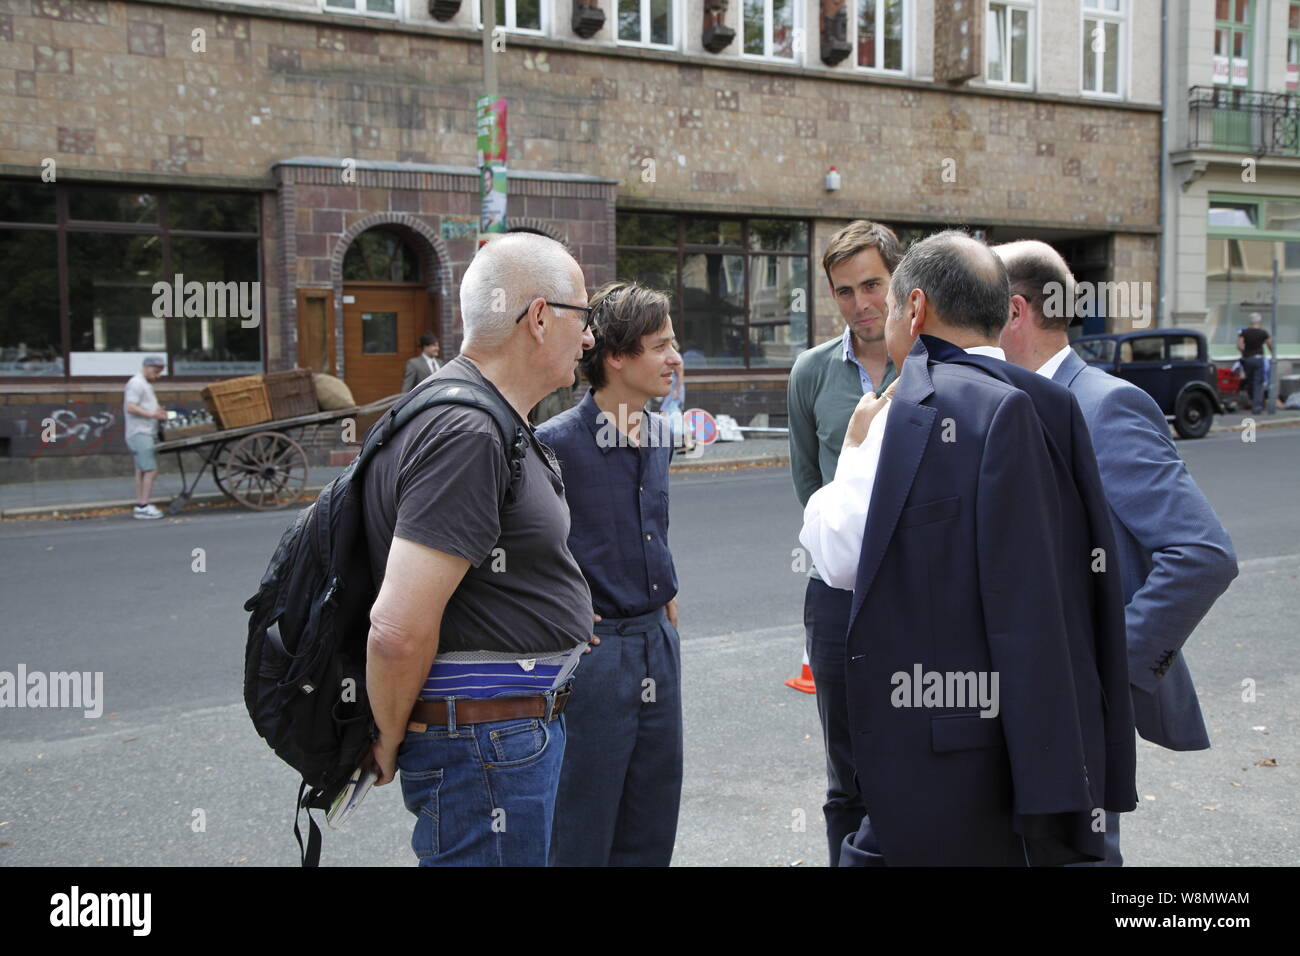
[{"x": 1252, "y": 121}]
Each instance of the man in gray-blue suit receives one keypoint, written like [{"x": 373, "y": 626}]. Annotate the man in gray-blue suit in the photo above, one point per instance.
[{"x": 1175, "y": 558}]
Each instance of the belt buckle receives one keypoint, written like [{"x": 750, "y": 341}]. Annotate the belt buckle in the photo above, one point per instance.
[{"x": 553, "y": 698}]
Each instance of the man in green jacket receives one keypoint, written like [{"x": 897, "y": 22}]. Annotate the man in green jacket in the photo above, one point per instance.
[{"x": 825, "y": 385}]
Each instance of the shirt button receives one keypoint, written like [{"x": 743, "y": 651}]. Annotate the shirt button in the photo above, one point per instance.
[
  {"x": 647, "y": 537},
  {"x": 642, "y": 488},
  {"x": 654, "y": 587}
]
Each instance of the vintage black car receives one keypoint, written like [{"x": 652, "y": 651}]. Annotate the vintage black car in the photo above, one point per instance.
[{"x": 1170, "y": 365}]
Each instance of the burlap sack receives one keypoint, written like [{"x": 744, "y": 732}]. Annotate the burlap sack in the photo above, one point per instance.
[{"x": 331, "y": 393}]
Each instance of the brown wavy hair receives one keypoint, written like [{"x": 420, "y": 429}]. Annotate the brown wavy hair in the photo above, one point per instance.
[{"x": 624, "y": 313}]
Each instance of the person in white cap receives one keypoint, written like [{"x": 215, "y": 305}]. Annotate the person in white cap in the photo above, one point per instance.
[{"x": 141, "y": 412}]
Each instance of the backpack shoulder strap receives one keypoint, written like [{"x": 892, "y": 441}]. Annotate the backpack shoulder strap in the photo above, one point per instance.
[{"x": 452, "y": 391}]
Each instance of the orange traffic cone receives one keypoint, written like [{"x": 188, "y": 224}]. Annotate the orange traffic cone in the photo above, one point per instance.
[{"x": 804, "y": 682}]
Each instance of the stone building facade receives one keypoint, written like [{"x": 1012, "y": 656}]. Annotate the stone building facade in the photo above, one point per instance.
[{"x": 329, "y": 155}]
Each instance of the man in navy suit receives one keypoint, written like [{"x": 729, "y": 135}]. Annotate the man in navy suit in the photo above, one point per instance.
[
  {"x": 1173, "y": 554},
  {"x": 956, "y": 518}
]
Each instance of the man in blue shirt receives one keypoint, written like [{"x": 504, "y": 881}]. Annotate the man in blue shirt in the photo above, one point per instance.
[{"x": 621, "y": 782}]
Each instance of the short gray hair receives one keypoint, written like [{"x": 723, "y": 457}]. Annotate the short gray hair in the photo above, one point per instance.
[
  {"x": 1033, "y": 267},
  {"x": 503, "y": 277},
  {"x": 965, "y": 289}
]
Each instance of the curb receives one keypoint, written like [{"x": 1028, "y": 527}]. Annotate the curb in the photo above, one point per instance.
[
  {"x": 35, "y": 511},
  {"x": 765, "y": 461},
  {"x": 1265, "y": 423}
]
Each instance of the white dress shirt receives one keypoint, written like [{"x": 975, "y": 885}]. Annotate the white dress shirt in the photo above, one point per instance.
[
  {"x": 1048, "y": 368},
  {"x": 836, "y": 515}
]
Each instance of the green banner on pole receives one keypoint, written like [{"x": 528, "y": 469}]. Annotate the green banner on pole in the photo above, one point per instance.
[{"x": 491, "y": 130}]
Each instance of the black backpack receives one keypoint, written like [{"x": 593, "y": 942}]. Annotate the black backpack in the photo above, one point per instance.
[{"x": 305, "y": 663}]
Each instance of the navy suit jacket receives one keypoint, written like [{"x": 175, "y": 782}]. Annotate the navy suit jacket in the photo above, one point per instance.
[
  {"x": 964, "y": 569},
  {"x": 1175, "y": 558}
]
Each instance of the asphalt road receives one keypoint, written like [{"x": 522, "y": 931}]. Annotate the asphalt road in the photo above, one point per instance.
[{"x": 123, "y": 597}]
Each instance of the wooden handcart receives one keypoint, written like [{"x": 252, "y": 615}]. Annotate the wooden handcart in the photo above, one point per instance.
[{"x": 260, "y": 466}]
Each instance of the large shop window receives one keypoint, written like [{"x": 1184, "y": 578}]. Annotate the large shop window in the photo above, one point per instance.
[
  {"x": 141, "y": 271},
  {"x": 1246, "y": 238},
  {"x": 739, "y": 287}
]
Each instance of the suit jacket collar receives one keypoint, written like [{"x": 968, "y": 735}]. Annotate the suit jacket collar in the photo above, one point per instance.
[
  {"x": 1069, "y": 370},
  {"x": 914, "y": 384}
]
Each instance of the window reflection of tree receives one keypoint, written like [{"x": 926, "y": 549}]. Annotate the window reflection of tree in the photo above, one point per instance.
[{"x": 380, "y": 255}]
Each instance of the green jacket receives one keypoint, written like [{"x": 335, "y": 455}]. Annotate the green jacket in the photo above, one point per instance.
[{"x": 824, "y": 389}]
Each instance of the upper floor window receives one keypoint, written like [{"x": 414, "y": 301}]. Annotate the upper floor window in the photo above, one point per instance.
[
  {"x": 521, "y": 16},
  {"x": 386, "y": 7},
  {"x": 647, "y": 22},
  {"x": 1232, "y": 40},
  {"x": 769, "y": 28},
  {"x": 1008, "y": 44},
  {"x": 1293, "y": 47},
  {"x": 881, "y": 31},
  {"x": 1103, "y": 34}
]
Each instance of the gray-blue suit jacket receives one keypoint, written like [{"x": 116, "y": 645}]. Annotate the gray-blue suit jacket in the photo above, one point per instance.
[{"x": 1175, "y": 558}]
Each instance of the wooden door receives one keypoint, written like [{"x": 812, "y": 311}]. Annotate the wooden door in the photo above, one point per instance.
[
  {"x": 316, "y": 330},
  {"x": 382, "y": 324}
]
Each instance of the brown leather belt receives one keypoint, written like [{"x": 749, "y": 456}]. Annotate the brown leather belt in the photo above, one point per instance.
[{"x": 427, "y": 713}]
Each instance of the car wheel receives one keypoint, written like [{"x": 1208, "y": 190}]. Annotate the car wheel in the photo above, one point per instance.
[{"x": 1193, "y": 415}]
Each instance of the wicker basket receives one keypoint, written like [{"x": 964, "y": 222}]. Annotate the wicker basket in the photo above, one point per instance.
[
  {"x": 238, "y": 401},
  {"x": 291, "y": 393}
]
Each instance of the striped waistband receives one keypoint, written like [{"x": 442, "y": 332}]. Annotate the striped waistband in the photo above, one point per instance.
[{"x": 492, "y": 674}]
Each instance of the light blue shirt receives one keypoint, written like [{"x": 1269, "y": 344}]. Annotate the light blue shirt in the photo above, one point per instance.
[{"x": 851, "y": 356}]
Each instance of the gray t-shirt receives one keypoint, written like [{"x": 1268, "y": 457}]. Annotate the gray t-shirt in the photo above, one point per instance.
[
  {"x": 140, "y": 392},
  {"x": 440, "y": 484}
]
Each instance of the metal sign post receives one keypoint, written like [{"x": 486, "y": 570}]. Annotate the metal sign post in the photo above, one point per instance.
[{"x": 1273, "y": 366}]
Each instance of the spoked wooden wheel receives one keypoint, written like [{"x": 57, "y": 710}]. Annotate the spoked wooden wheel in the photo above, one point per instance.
[
  {"x": 221, "y": 467},
  {"x": 262, "y": 471}
]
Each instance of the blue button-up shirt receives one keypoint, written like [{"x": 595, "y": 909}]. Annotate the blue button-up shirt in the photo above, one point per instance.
[
  {"x": 618, "y": 503},
  {"x": 850, "y": 356}
]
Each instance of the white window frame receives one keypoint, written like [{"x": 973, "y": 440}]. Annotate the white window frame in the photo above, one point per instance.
[
  {"x": 906, "y": 68},
  {"x": 1120, "y": 18},
  {"x": 674, "y": 28},
  {"x": 1031, "y": 72},
  {"x": 797, "y": 55},
  {"x": 399, "y": 10},
  {"x": 544, "y": 8}
]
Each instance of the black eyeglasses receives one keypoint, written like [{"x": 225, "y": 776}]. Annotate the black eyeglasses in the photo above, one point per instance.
[{"x": 584, "y": 309}]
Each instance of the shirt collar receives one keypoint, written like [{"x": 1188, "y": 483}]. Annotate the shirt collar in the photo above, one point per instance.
[
  {"x": 851, "y": 356},
  {"x": 847, "y": 339},
  {"x": 598, "y": 421},
  {"x": 990, "y": 350},
  {"x": 1048, "y": 368}
]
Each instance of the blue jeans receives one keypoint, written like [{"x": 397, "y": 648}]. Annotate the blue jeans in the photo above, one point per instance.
[
  {"x": 482, "y": 794},
  {"x": 1253, "y": 366},
  {"x": 622, "y": 781}
]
